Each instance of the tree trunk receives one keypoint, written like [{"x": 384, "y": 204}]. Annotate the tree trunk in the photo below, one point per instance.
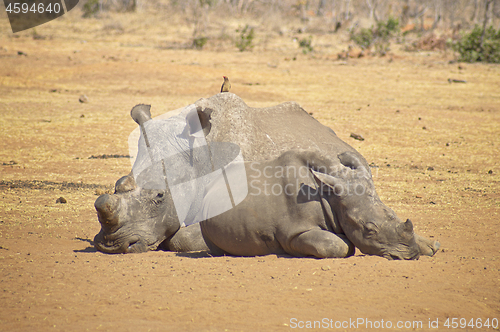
[
  {"x": 437, "y": 13},
  {"x": 474, "y": 13},
  {"x": 485, "y": 22},
  {"x": 321, "y": 8},
  {"x": 370, "y": 6},
  {"x": 405, "y": 13}
]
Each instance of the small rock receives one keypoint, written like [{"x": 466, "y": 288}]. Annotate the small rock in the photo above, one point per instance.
[
  {"x": 83, "y": 99},
  {"x": 325, "y": 267},
  {"x": 357, "y": 136},
  {"x": 61, "y": 200},
  {"x": 453, "y": 80}
]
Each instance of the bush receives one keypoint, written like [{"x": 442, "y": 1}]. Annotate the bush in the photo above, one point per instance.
[
  {"x": 245, "y": 39},
  {"x": 386, "y": 30},
  {"x": 469, "y": 46},
  {"x": 90, "y": 8},
  {"x": 305, "y": 45},
  {"x": 379, "y": 36},
  {"x": 199, "y": 42},
  {"x": 363, "y": 38}
]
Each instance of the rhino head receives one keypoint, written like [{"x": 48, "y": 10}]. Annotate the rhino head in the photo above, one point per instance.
[
  {"x": 369, "y": 224},
  {"x": 139, "y": 218},
  {"x": 134, "y": 219}
]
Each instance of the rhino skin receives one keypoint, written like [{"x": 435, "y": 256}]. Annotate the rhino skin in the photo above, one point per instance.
[
  {"x": 134, "y": 219},
  {"x": 305, "y": 212}
]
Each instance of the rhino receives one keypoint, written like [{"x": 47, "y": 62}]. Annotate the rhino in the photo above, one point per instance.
[{"x": 326, "y": 209}]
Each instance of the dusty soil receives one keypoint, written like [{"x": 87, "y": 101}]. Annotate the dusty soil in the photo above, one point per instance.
[{"x": 434, "y": 148}]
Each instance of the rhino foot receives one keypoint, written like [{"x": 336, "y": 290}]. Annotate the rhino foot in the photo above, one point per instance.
[{"x": 321, "y": 244}]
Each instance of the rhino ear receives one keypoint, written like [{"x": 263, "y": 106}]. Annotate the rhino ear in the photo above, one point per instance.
[
  {"x": 141, "y": 113},
  {"x": 350, "y": 159},
  {"x": 205, "y": 115},
  {"x": 329, "y": 183},
  {"x": 354, "y": 162}
]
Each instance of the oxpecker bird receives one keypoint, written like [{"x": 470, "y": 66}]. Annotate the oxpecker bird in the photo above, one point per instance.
[{"x": 226, "y": 85}]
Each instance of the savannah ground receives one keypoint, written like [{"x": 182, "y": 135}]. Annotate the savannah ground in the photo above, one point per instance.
[{"x": 434, "y": 148}]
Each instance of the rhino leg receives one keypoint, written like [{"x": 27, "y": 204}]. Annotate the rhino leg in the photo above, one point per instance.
[
  {"x": 185, "y": 239},
  {"x": 321, "y": 244},
  {"x": 427, "y": 247}
]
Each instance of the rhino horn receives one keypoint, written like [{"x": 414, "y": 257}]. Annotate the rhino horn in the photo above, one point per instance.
[
  {"x": 125, "y": 184},
  {"x": 107, "y": 209},
  {"x": 406, "y": 228}
]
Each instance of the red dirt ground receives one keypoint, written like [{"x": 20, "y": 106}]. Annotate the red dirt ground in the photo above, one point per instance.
[{"x": 434, "y": 147}]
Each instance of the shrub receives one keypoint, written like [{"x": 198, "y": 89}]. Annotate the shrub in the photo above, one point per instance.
[
  {"x": 470, "y": 49},
  {"x": 245, "y": 39},
  {"x": 363, "y": 38},
  {"x": 386, "y": 30},
  {"x": 305, "y": 45},
  {"x": 379, "y": 35},
  {"x": 90, "y": 8},
  {"x": 199, "y": 42}
]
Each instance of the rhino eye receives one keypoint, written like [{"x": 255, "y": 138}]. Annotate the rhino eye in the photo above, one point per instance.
[
  {"x": 371, "y": 229},
  {"x": 160, "y": 195}
]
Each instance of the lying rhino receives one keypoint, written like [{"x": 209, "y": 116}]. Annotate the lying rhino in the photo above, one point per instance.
[{"x": 316, "y": 212}]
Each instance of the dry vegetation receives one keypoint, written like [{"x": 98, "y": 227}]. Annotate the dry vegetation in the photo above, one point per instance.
[{"x": 433, "y": 146}]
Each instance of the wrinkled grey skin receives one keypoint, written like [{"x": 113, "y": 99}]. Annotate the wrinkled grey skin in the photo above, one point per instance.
[
  {"x": 136, "y": 220},
  {"x": 325, "y": 209}
]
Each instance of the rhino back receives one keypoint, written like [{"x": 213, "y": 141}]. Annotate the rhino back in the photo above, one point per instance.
[{"x": 265, "y": 133}]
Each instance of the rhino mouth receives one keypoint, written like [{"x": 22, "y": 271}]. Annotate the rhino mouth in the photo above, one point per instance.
[
  {"x": 413, "y": 255},
  {"x": 396, "y": 257},
  {"x": 133, "y": 244},
  {"x": 104, "y": 244},
  {"x": 137, "y": 247}
]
